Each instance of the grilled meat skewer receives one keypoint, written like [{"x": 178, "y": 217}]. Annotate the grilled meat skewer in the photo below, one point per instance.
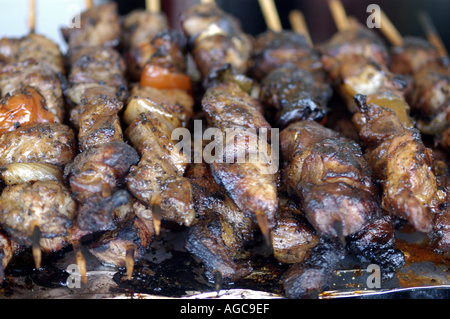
[
  {"x": 97, "y": 91},
  {"x": 253, "y": 186},
  {"x": 158, "y": 105},
  {"x": 402, "y": 162},
  {"x": 36, "y": 204}
]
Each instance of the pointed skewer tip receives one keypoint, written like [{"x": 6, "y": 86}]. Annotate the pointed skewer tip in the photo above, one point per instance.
[
  {"x": 36, "y": 246},
  {"x": 156, "y": 209},
  {"x": 263, "y": 224},
  {"x": 129, "y": 260}
]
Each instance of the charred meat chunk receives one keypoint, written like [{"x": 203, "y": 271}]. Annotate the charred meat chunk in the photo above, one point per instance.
[
  {"x": 95, "y": 178},
  {"x": 375, "y": 244},
  {"x": 330, "y": 177},
  {"x": 96, "y": 67},
  {"x": 221, "y": 230},
  {"x": 98, "y": 118},
  {"x": 306, "y": 280},
  {"x": 273, "y": 50},
  {"x": 290, "y": 94},
  {"x": 227, "y": 106},
  {"x": 410, "y": 57}
]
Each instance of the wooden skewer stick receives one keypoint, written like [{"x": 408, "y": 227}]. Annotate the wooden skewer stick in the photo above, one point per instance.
[
  {"x": 339, "y": 15},
  {"x": 129, "y": 261},
  {"x": 35, "y": 244},
  {"x": 297, "y": 20},
  {"x": 81, "y": 261},
  {"x": 389, "y": 30},
  {"x": 263, "y": 224},
  {"x": 432, "y": 34},
  {"x": 271, "y": 16},
  {"x": 153, "y": 6},
  {"x": 32, "y": 16},
  {"x": 89, "y": 3},
  {"x": 156, "y": 210}
]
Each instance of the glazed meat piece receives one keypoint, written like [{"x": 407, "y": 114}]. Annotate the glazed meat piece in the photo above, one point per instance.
[
  {"x": 306, "y": 280},
  {"x": 293, "y": 236},
  {"x": 98, "y": 118},
  {"x": 99, "y": 26},
  {"x": 33, "y": 46},
  {"x": 290, "y": 94},
  {"x": 93, "y": 67},
  {"x": 215, "y": 38},
  {"x": 357, "y": 39},
  {"x": 47, "y": 143},
  {"x": 430, "y": 100},
  {"x": 48, "y": 205},
  {"x": 32, "y": 73},
  {"x": 95, "y": 177},
  {"x": 375, "y": 244},
  {"x": 132, "y": 237},
  {"x": 227, "y": 106},
  {"x": 141, "y": 26},
  {"x": 440, "y": 234},
  {"x": 221, "y": 230},
  {"x": 148, "y": 134},
  {"x": 158, "y": 177},
  {"x": 273, "y": 50},
  {"x": 330, "y": 177},
  {"x": 410, "y": 57},
  {"x": 402, "y": 162}
]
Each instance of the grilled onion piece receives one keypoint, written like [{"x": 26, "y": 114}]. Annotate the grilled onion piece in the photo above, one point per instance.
[{"x": 18, "y": 173}]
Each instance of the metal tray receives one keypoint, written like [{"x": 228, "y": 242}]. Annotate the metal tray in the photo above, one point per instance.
[{"x": 168, "y": 271}]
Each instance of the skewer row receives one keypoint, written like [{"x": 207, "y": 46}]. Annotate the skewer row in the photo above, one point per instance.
[{"x": 150, "y": 117}]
